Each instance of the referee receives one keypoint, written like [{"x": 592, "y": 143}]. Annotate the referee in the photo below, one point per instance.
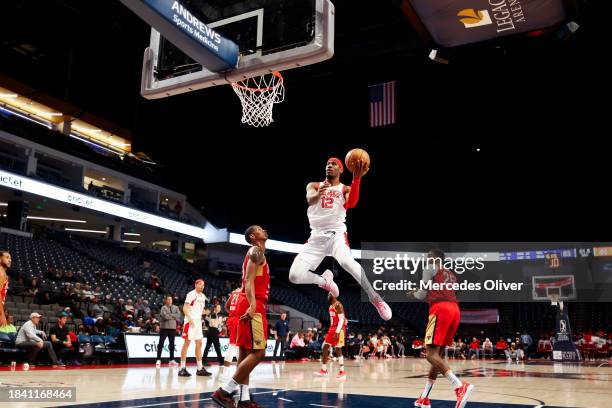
[{"x": 214, "y": 320}]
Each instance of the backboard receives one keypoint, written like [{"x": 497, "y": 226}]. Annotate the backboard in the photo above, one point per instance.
[
  {"x": 272, "y": 35},
  {"x": 563, "y": 287}
]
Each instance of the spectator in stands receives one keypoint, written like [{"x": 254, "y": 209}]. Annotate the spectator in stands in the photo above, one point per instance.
[
  {"x": 156, "y": 284},
  {"x": 399, "y": 344},
  {"x": 357, "y": 345},
  {"x": 9, "y": 327},
  {"x": 139, "y": 306},
  {"x": 213, "y": 320},
  {"x": 17, "y": 285},
  {"x": 474, "y": 348},
  {"x": 129, "y": 307},
  {"x": 50, "y": 274},
  {"x": 96, "y": 309},
  {"x": 33, "y": 288},
  {"x": 33, "y": 340},
  {"x": 62, "y": 345},
  {"x": 464, "y": 348},
  {"x": 66, "y": 292},
  {"x": 417, "y": 347},
  {"x": 99, "y": 326},
  {"x": 77, "y": 292},
  {"x": 112, "y": 329},
  {"x": 69, "y": 276},
  {"x": 527, "y": 343},
  {"x": 119, "y": 310},
  {"x": 487, "y": 348},
  {"x": 129, "y": 321},
  {"x": 365, "y": 350},
  {"x": 87, "y": 293},
  {"x": 281, "y": 333},
  {"x": 146, "y": 309},
  {"x": 152, "y": 321},
  {"x": 44, "y": 298},
  {"x": 387, "y": 346},
  {"x": 298, "y": 346},
  {"x": 500, "y": 347},
  {"x": 513, "y": 352}
]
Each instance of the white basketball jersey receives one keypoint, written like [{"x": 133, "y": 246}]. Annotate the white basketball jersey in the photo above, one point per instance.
[
  {"x": 328, "y": 213},
  {"x": 196, "y": 301}
]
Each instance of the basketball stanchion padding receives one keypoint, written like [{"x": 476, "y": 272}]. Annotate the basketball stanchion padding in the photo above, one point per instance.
[{"x": 258, "y": 96}]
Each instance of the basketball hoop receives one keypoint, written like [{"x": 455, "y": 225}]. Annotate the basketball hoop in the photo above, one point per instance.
[
  {"x": 258, "y": 96},
  {"x": 554, "y": 301}
]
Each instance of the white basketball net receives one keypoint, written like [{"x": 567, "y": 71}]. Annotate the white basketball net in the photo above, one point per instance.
[{"x": 258, "y": 96}]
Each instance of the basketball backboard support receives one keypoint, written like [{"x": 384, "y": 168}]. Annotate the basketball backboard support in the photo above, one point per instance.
[
  {"x": 272, "y": 35},
  {"x": 557, "y": 287}
]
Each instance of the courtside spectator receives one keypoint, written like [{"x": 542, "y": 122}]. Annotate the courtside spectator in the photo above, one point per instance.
[
  {"x": 33, "y": 340},
  {"x": 63, "y": 346}
]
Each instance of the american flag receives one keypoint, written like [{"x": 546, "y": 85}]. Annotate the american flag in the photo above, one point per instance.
[{"x": 383, "y": 104}]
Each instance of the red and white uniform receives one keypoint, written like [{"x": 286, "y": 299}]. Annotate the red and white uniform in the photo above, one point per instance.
[
  {"x": 252, "y": 333},
  {"x": 333, "y": 329},
  {"x": 196, "y": 301},
  {"x": 232, "y": 320},
  {"x": 328, "y": 235},
  {"x": 329, "y": 213},
  {"x": 444, "y": 311}
]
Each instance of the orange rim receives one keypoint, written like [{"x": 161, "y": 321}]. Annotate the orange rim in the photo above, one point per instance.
[{"x": 275, "y": 73}]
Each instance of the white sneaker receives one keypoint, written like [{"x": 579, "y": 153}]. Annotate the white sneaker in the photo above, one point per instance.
[
  {"x": 158, "y": 364},
  {"x": 329, "y": 284},
  {"x": 172, "y": 363},
  {"x": 26, "y": 366},
  {"x": 383, "y": 309}
]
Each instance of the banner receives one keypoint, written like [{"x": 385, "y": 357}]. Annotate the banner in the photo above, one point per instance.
[
  {"x": 479, "y": 316},
  {"x": 457, "y": 22},
  {"x": 145, "y": 346}
]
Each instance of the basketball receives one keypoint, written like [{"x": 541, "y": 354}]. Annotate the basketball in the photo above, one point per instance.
[{"x": 354, "y": 155}]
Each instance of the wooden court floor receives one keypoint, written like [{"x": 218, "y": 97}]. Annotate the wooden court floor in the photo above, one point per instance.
[{"x": 370, "y": 383}]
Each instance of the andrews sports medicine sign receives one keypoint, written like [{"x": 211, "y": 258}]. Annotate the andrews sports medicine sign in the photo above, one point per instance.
[
  {"x": 182, "y": 28},
  {"x": 457, "y": 22}
]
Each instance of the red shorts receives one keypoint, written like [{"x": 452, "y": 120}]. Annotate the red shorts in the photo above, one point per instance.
[
  {"x": 443, "y": 323},
  {"x": 329, "y": 337},
  {"x": 232, "y": 328},
  {"x": 252, "y": 333}
]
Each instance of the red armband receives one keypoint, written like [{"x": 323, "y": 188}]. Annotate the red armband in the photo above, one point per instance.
[{"x": 353, "y": 196}]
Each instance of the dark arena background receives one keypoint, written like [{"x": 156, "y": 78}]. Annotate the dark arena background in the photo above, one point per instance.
[{"x": 139, "y": 139}]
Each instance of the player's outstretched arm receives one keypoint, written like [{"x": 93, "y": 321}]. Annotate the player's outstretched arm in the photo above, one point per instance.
[{"x": 351, "y": 194}]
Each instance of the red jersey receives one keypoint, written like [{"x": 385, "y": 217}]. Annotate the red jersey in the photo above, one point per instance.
[
  {"x": 3, "y": 290},
  {"x": 232, "y": 303},
  {"x": 334, "y": 319},
  {"x": 442, "y": 295},
  {"x": 262, "y": 279}
]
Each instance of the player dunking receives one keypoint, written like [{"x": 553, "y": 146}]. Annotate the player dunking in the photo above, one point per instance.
[
  {"x": 252, "y": 324},
  {"x": 335, "y": 336},
  {"x": 5, "y": 264},
  {"x": 441, "y": 328},
  {"x": 328, "y": 202},
  {"x": 232, "y": 325},
  {"x": 192, "y": 328}
]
